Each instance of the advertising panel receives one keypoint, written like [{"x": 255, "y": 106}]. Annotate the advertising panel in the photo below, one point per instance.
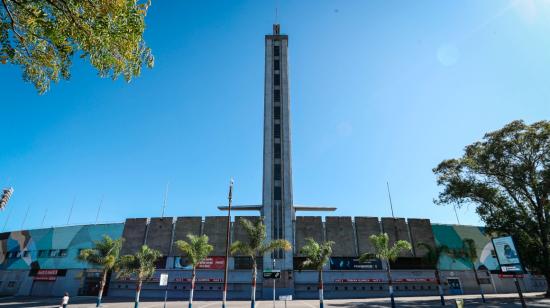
[
  {"x": 359, "y": 280},
  {"x": 210, "y": 263},
  {"x": 507, "y": 255},
  {"x": 163, "y": 281},
  {"x": 46, "y": 275},
  {"x": 350, "y": 264}
]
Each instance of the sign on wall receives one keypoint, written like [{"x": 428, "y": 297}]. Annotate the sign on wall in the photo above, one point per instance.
[
  {"x": 210, "y": 263},
  {"x": 46, "y": 275},
  {"x": 163, "y": 281},
  {"x": 350, "y": 263},
  {"x": 507, "y": 255}
]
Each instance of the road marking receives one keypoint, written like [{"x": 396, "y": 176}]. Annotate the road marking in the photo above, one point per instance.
[
  {"x": 211, "y": 304},
  {"x": 309, "y": 305}
]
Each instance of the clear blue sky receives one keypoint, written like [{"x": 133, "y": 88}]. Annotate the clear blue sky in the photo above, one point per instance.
[{"x": 380, "y": 91}]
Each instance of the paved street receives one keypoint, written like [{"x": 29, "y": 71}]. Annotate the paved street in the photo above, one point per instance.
[{"x": 501, "y": 300}]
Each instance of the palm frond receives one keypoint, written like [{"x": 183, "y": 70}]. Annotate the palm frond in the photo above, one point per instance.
[
  {"x": 316, "y": 254},
  {"x": 196, "y": 248},
  {"x": 470, "y": 250},
  {"x": 367, "y": 256},
  {"x": 239, "y": 247},
  {"x": 275, "y": 245},
  {"x": 104, "y": 254},
  {"x": 141, "y": 264},
  {"x": 381, "y": 243}
]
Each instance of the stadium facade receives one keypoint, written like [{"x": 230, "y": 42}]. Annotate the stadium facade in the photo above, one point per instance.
[{"x": 43, "y": 262}]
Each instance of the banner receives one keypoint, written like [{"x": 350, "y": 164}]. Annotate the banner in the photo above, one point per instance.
[
  {"x": 199, "y": 280},
  {"x": 46, "y": 275},
  {"x": 507, "y": 255},
  {"x": 210, "y": 263},
  {"x": 350, "y": 263},
  {"x": 359, "y": 280}
]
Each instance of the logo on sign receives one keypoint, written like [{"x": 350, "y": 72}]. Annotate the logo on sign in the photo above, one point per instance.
[{"x": 211, "y": 263}]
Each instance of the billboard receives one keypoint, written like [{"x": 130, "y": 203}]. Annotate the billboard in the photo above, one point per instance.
[
  {"x": 350, "y": 263},
  {"x": 210, "y": 263},
  {"x": 507, "y": 255}
]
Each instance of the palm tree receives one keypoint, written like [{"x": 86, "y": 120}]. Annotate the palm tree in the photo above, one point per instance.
[
  {"x": 257, "y": 245},
  {"x": 196, "y": 248},
  {"x": 432, "y": 257},
  {"x": 385, "y": 253},
  {"x": 317, "y": 256},
  {"x": 140, "y": 265},
  {"x": 470, "y": 253},
  {"x": 104, "y": 255}
]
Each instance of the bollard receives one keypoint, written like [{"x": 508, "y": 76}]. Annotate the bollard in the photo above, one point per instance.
[{"x": 459, "y": 303}]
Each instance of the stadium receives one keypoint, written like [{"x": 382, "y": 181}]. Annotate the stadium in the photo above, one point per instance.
[{"x": 43, "y": 262}]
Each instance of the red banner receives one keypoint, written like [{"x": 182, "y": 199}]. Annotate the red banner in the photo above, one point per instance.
[
  {"x": 377, "y": 280},
  {"x": 199, "y": 280},
  {"x": 46, "y": 275},
  {"x": 52, "y": 272},
  {"x": 370, "y": 280},
  {"x": 212, "y": 263},
  {"x": 510, "y": 276},
  {"x": 415, "y": 280}
]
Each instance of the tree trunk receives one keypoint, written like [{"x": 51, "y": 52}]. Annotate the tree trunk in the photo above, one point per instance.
[
  {"x": 138, "y": 292},
  {"x": 192, "y": 290},
  {"x": 390, "y": 285},
  {"x": 439, "y": 286},
  {"x": 321, "y": 294},
  {"x": 101, "y": 287},
  {"x": 253, "y": 295},
  {"x": 477, "y": 281},
  {"x": 546, "y": 268}
]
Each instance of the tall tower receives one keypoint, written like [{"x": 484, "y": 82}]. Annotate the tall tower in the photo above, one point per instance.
[{"x": 277, "y": 204}]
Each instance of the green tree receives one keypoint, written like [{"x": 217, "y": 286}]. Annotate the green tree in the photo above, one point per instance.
[
  {"x": 196, "y": 248},
  {"x": 507, "y": 177},
  {"x": 105, "y": 255},
  {"x": 256, "y": 246},
  {"x": 140, "y": 266},
  {"x": 432, "y": 257},
  {"x": 386, "y": 253},
  {"x": 42, "y": 36},
  {"x": 470, "y": 254},
  {"x": 317, "y": 256}
]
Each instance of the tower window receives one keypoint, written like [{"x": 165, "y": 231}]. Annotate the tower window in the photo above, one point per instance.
[
  {"x": 277, "y": 193},
  {"x": 276, "y": 51},
  {"x": 277, "y": 171},
  {"x": 277, "y": 79},
  {"x": 277, "y": 131},
  {"x": 277, "y": 150},
  {"x": 277, "y": 95},
  {"x": 276, "y": 65},
  {"x": 277, "y": 113}
]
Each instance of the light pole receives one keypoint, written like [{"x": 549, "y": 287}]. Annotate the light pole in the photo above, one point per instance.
[
  {"x": 274, "y": 284},
  {"x": 229, "y": 198}
]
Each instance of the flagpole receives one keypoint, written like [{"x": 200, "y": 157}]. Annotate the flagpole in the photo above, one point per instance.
[
  {"x": 164, "y": 202},
  {"x": 229, "y": 198},
  {"x": 99, "y": 209}
]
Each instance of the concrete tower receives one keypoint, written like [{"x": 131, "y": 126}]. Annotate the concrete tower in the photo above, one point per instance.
[{"x": 277, "y": 203}]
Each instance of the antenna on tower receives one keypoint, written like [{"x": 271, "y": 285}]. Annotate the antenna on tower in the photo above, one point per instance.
[{"x": 276, "y": 11}]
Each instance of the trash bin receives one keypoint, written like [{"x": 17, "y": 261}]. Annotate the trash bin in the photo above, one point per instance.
[{"x": 459, "y": 303}]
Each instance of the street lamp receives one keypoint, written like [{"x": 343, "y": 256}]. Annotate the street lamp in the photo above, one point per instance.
[{"x": 229, "y": 198}]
